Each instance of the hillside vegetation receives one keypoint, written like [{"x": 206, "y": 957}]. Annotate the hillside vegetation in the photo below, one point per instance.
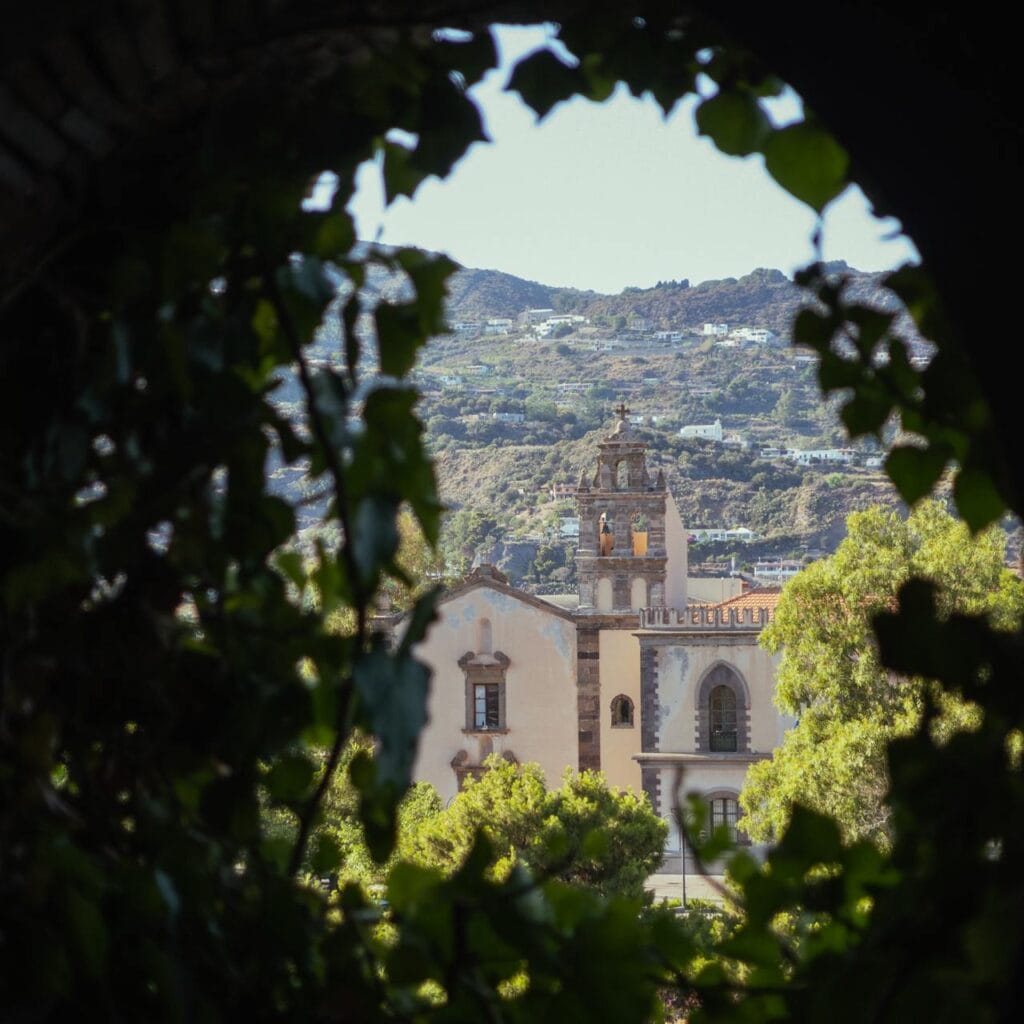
[{"x": 511, "y": 412}]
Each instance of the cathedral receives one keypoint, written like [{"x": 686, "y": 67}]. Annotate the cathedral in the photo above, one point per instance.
[{"x": 650, "y": 676}]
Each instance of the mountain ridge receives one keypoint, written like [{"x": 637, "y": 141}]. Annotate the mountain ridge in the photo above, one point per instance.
[{"x": 764, "y": 297}]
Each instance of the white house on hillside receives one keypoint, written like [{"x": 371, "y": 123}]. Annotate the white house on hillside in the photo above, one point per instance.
[{"x": 706, "y": 431}]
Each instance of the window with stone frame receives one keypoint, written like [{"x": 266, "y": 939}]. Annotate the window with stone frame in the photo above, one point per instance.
[{"x": 485, "y": 691}]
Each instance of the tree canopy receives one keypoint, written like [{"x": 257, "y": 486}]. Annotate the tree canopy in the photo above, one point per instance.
[
  {"x": 830, "y": 678},
  {"x": 583, "y": 832}
]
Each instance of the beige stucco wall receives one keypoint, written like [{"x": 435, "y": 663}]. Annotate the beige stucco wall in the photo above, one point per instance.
[
  {"x": 681, "y": 668},
  {"x": 540, "y": 687},
  {"x": 713, "y": 588},
  {"x": 619, "y": 673},
  {"x": 675, "y": 550}
]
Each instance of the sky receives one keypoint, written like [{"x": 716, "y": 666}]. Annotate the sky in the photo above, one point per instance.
[{"x": 605, "y": 196}]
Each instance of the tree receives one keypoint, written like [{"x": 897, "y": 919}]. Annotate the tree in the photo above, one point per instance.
[
  {"x": 419, "y": 564},
  {"x": 464, "y": 533},
  {"x": 848, "y": 706},
  {"x": 786, "y": 411},
  {"x": 584, "y": 832}
]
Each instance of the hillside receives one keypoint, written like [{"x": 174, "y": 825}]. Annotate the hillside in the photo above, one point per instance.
[
  {"x": 763, "y": 298},
  {"x": 511, "y": 413}
]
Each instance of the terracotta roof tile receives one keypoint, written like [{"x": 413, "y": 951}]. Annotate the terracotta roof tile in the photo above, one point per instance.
[{"x": 763, "y": 597}]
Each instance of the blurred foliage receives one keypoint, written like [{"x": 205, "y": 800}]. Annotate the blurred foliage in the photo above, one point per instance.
[{"x": 161, "y": 686}]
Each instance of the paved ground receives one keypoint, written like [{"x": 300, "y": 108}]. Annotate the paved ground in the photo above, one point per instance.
[{"x": 702, "y": 887}]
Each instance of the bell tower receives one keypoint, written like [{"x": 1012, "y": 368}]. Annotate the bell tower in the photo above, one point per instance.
[{"x": 621, "y": 559}]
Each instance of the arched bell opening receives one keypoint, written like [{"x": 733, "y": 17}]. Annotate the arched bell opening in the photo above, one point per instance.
[
  {"x": 605, "y": 535},
  {"x": 638, "y": 528}
]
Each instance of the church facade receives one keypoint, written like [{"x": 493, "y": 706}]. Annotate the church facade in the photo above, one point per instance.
[{"x": 640, "y": 679}]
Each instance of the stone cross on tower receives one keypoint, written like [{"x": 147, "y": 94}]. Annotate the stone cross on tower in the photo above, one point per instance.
[{"x": 622, "y": 412}]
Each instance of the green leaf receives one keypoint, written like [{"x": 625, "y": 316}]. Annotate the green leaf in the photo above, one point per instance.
[
  {"x": 398, "y": 337},
  {"x": 290, "y": 563},
  {"x": 290, "y": 778},
  {"x": 424, "y": 612},
  {"x": 807, "y": 162},
  {"x": 335, "y": 236},
  {"x": 375, "y": 536},
  {"x": 401, "y": 176},
  {"x": 393, "y": 689},
  {"x": 449, "y": 123},
  {"x": 811, "y": 838},
  {"x": 326, "y": 854},
  {"x": 734, "y": 121},
  {"x": 977, "y": 498},
  {"x": 814, "y": 329},
  {"x": 915, "y": 471},
  {"x": 472, "y": 57},
  {"x": 543, "y": 80},
  {"x": 411, "y": 886},
  {"x": 429, "y": 275},
  {"x": 866, "y": 412},
  {"x": 264, "y": 323},
  {"x": 835, "y": 372}
]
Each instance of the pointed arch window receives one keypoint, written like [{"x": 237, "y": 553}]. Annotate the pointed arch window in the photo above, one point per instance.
[{"x": 723, "y": 712}]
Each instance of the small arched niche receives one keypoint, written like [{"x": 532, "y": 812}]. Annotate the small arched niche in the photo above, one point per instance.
[
  {"x": 484, "y": 642},
  {"x": 622, "y": 712}
]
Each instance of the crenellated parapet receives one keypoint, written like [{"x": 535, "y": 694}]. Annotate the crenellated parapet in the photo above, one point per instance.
[{"x": 704, "y": 618}]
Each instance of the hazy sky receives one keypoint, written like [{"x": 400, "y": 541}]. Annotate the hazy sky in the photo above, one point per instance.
[{"x": 608, "y": 195}]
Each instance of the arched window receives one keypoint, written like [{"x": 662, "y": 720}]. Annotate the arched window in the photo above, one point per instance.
[
  {"x": 723, "y": 711},
  {"x": 622, "y": 476},
  {"x": 722, "y": 714},
  {"x": 622, "y": 712}
]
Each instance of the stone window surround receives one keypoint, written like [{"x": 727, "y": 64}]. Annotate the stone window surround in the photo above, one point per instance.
[
  {"x": 731, "y": 678},
  {"x": 616, "y": 702},
  {"x": 482, "y": 669}
]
